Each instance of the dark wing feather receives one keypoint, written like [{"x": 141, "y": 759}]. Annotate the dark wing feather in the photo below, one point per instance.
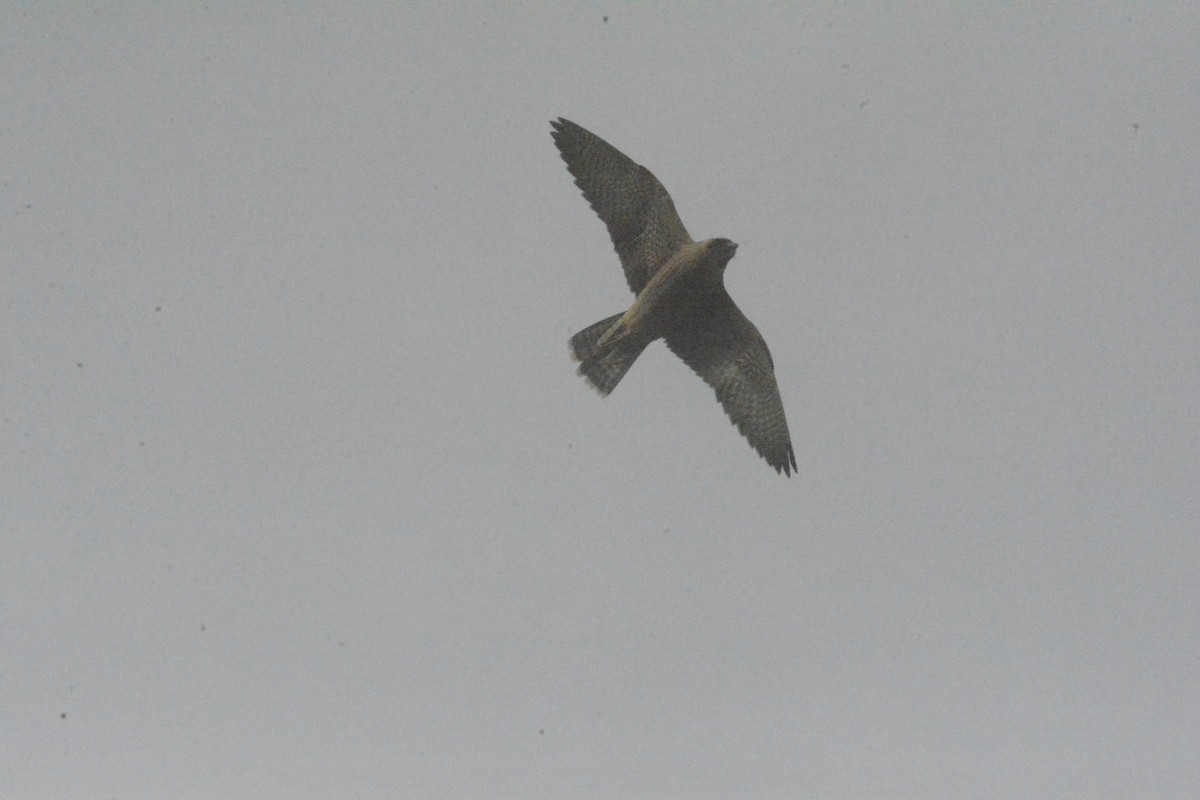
[
  {"x": 727, "y": 351},
  {"x": 637, "y": 210}
]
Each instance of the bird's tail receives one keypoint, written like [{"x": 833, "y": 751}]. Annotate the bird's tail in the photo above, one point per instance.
[{"x": 604, "y": 364}]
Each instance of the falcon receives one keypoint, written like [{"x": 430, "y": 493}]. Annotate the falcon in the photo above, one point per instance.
[{"x": 681, "y": 297}]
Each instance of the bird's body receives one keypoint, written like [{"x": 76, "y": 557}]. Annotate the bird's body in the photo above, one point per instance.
[{"x": 681, "y": 296}]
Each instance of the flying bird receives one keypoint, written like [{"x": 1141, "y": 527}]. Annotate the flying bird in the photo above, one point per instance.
[{"x": 681, "y": 297}]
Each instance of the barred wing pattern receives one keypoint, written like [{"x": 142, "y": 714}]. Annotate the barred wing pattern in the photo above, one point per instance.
[
  {"x": 727, "y": 351},
  {"x": 636, "y": 209}
]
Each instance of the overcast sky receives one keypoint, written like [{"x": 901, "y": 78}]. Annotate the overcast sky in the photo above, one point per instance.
[{"x": 301, "y": 497}]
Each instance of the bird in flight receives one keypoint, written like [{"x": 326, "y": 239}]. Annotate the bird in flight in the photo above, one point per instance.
[{"x": 681, "y": 297}]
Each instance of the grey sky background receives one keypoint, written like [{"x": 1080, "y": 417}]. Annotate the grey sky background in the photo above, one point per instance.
[{"x": 301, "y": 497}]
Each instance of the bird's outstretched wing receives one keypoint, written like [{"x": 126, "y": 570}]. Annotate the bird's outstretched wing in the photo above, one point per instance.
[
  {"x": 727, "y": 351},
  {"x": 637, "y": 210}
]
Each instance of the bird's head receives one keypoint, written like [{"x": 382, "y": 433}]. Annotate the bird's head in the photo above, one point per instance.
[{"x": 720, "y": 251}]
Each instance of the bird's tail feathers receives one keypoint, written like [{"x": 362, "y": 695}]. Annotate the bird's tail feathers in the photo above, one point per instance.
[
  {"x": 605, "y": 354},
  {"x": 584, "y": 344}
]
